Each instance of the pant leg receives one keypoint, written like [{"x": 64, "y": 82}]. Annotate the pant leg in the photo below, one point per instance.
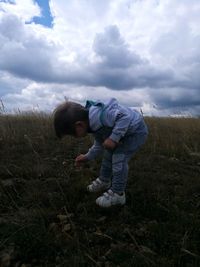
[
  {"x": 119, "y": 172},
  {"x": 120, "y": 157},
  {"x": 106, "y": 166}
]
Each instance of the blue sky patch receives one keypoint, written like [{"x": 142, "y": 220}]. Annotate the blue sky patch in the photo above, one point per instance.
[
  {"x": 8, "y": 1},
  {"x": 46, "y": 19}
]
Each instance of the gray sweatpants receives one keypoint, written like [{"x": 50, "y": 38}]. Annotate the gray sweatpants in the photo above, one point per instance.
[{"x": 115, "y": 162}]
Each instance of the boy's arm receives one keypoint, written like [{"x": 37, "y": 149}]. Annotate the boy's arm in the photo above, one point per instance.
[
  {"x": 95, "y": 150},
  {"x": 121, "y": 119}
]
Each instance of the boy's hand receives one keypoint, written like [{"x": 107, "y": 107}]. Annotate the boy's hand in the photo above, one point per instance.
[
  {"x": 109, "y": 144},
  {"x": 80, "y": 160}
]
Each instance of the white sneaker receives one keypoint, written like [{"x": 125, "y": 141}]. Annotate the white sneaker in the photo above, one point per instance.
[
  {"x": 98, "y": 185},
  {"x": 110, "y": 198}
]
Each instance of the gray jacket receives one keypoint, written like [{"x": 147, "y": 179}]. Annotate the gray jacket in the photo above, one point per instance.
[{"x": 110, "y": 119}]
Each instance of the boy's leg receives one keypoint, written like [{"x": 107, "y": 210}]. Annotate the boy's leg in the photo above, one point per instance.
[
  {"x": 106, "y": 167},
  {"x": 120, "y": 172},
  {"x": 121, "y": 156},
  {"x": 113, "y": 196},
  {"x": 103, "y": 182}
]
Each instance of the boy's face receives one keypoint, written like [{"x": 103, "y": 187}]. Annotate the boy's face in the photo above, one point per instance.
[{"x": 80, "y": 129}]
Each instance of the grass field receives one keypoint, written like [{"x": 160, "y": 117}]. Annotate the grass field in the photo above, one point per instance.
[{"x": 48, "y": 219}]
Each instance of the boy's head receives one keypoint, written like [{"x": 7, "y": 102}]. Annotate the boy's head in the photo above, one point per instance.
[{"x": 71, "y": 118}]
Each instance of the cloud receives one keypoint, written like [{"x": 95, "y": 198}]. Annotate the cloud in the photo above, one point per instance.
[
  {"x": 142, "y": 52},
  {"x": 24, "y": 9},
  {"x": 112, "y": 49},
  {"x": 46, "y": 96},
  {"x": 119, "y": 68},
  {"x": 116, "y": 67},
  {"x": 23, "y": 53},
  {"x": 10, "y": 84}
]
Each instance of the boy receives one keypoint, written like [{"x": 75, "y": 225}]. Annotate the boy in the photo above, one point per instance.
[{"x": 118, "y": 132}]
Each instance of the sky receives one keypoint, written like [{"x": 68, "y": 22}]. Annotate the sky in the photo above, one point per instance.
[{"x": 144, "y": 53}]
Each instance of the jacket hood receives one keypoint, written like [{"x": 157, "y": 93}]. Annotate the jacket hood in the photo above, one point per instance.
[{"x": 95, "y": 110}]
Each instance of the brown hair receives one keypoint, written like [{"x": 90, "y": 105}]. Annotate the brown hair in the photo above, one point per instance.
[{"x": 66, "y": 115}]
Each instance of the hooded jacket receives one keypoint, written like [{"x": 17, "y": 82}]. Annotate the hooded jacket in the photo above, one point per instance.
[{"x": 112, "y": 120}]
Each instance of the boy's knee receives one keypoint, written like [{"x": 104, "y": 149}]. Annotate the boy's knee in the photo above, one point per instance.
[{"x": 118, "y": 162}]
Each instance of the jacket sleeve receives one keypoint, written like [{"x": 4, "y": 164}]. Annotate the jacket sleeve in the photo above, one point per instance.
[
  {"x": 95, "y": 150},
  {"x": 121, "y": 120}
]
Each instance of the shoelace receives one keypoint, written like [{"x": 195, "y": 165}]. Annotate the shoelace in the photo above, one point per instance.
[
  {"x": 108, "y": 194},
  {"x": 96, "y": 182}
]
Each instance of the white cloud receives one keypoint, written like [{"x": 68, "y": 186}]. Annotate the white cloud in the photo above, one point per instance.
[
  {"x": 24, "y": 9},
  {"x": 148, "y": 49},
  {"x": 10, "y": 84}
]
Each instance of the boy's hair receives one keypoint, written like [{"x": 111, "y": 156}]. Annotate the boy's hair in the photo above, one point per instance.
[{"x": 66, "y": 115}]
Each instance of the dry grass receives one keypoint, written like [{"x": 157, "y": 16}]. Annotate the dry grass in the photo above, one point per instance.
[{"x": 48, "y": 219}]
